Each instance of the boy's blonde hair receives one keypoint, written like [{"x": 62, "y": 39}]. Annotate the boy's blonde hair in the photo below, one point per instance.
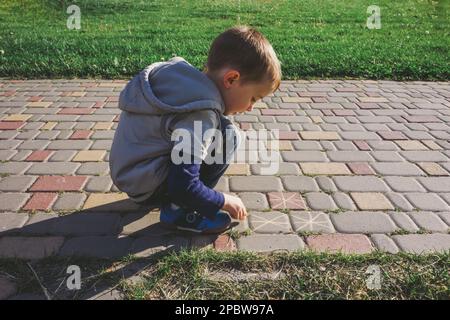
[{"x": 245, "y": 49}]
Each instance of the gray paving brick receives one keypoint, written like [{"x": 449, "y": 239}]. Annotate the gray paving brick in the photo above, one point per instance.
[
  {"x": 359, "y": 135},
  {"x": 311, "y": 222},
  {"x": 73, "y": 145},
  {"x": 360, "y": 184},
  {"x": 12, "y": 201},
  {"x": 14, "y": 167},
  {"x": 10, "y": 222},
  {"x": 399, "y": 201},
  {"x": 423, "y": 243},
  {"x": 383, "y": 145},
  {"x": 5, "y": 155},
  {"x": 307, "y": 145},
  {"x": 99, "y": 184},
  {"x": 53, "y": 168},
  {"x": 424, "y": 156},
  {"x": 69, "y": 201},
  {"x": 349, "y": 156},
  {"x": 16, "y": 183},
  {"x": 303, "y": 156},
  {"x": 9, "y": 144},
  {"x": 29, "y": 247},
  {"x": 269, "y": 222},
  {"x": 384, "y": 243},
  {"x": 33, "y": 145},
  {"x": 265, "y": 243},
  {"x": 427, "y": 201},
  {"x": 259, "y": 183},
  {"x": 445, "y": 216},
  {"x": 22, "y": 155},
  {"x": 97, "y": 246},
  {"x": 254, "y": 200},
  {"x": 320, "y": 201},
  {"x": 62, "y": 155},
  {"x": 404, "y": 184},
  {"x": 404, "y": 221},
  {"x": 283, "y": 169},
  {"x": 344, "y": 201},
  {"x": 300, "y": 183},
  {"x": 93, "y": 168},
  {"x": 436, "y": 184},
  {"x": 363, "y": 222},
  {"x": 429, "y": 221}
]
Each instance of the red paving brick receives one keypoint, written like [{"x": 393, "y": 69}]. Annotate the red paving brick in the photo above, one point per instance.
[
  {"x": 41, "y": 201},
  {"x": 347, "y": 243},
  {"x": 39, "y": 155},
  {"x": 288, "y": 135},
  {"x": 343, "y": 112},
  {"x": 286, "y": 200},
  {"x": 75, "y": 111},
  {"x": 360, "y": 168},
  {"x": 362, "y": 145},
  {"x": 59, "y": 183},
  {"x": 224, "y": 243},
  {"x": 11, "y": 125},
  {"x": 81, "y": 135}
]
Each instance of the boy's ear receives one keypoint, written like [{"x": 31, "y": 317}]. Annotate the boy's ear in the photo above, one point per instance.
[{"x": 230, "y": 77}]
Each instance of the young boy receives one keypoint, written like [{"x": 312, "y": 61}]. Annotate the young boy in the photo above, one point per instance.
[{"x": 166, "y": 97}]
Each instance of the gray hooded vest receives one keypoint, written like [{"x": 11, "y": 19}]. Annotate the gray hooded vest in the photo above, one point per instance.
[{"x": 162, "y": 97}]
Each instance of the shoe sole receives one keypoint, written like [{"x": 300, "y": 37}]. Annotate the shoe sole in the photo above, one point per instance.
[{"x": 189, "y": 230}]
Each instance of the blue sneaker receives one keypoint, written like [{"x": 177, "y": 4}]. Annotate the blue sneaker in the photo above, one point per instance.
[{"x": 175, "y": 217}]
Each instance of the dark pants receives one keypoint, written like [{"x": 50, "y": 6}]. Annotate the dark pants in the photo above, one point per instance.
[{"x": 209, "y": 173}]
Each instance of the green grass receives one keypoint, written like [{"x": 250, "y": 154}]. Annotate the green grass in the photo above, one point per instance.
[
  {"x": 207, "y": 274},
  {"x": 313, "y": 38}
]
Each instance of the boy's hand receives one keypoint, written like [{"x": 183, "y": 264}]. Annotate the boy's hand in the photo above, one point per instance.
[{"x": 234, "y": 206}]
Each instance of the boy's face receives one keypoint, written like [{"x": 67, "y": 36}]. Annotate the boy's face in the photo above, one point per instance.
[{"x": 240, "y": 97}]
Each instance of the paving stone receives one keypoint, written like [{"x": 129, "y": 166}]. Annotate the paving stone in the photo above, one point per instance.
[
  {"x": 33, "y": 145},
  {"x": 14, "y": 167},
  {"x": 11, "y": 221},
  {"x": 106, "y": 247},
  {"x": 73, "y": 145},
  {"x": 59, "y": 168},
  {"x": 269, "y": 222},
  {"x": 360, "y": 168},
  {"x": 311, "y": 222},
  {"x": 423, "y": 243},
  {"x": 69, "y": 201},
  {"x": 399, "y": 201},
  {"x": 423, "y": 156},
  {"x": 299, "y": 183},
  {"x": 39, "y": 155},
  {"x": 325, "y": 168},
  {"x": 303, "y": 156},
  {"x": 255, "y": 183},
  {"x": 94, "y": 168},
  {"x": 404, "y": 184},
  {"x": 345, "y": 243},
  {"x": 89, "y": 155},
  {"x": 62, "y": 156},
  {"x": 110, "y": 202},
  {"x": 283, "y": 169},
  {"x": 286, "y": 200},
  {"x": 265, "y": 243},
  {"x": 436, "y": 184},
  {"x": 98, "y": 184},
  {"x": 150, "y": 245},
  {"x": 344, "y": 201},
  {"x": 325, "y": 184},
  {"x": 371, "y": 201},
  {"x": 41, "y": 201},
  {"x": 143, "y": 224},
  {"x": 5, "y": 155},
  {"x": 432, "y": 169},
  {"x": 349, "y": 156},
  {"x": 16, "y": 183},
  {"x": 429, "y": 221},
  {"x": 12, "y": 201},
  {"x": 384, "y": 243},
  {"x": 319, "y": 135},
  {"x": 397, "y": 168},
  {"x": 427, "y": 201},
  {"x": 59, "y": 183},
  {"x": 363, "y": 222},
  {"x": 320, "y": 201},
  {"x": 29, "y": 247},
  {"x": 254, "y": 200},
  {"x": 360, "y": 184},
  {"x": 404, "y": 221}
]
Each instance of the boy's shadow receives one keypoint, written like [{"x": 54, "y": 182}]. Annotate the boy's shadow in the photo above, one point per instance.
[{"x": 109, "y": 232}]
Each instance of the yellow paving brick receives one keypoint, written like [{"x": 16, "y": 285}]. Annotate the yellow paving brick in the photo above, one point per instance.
[
  {"x": 371, "y": 201},
  {"x": 283, "y": 145},
  {"x": 101, "y": 199},
  {"x": 102, "y": 126},
  {"x": 324, "y": 168},
  {"x": 317, "y": 119},
  {"x": 89, "y": 155},
  {"x": 410, "y": 145},
  {"x": 296, "y": 99},
  {"x": 237, "y": 169},
  {"x": 17, "y": 117},
  {"x": 77, "y": 94},
  {"x": 260, "y": 105},
  {"x": 39, "y": 104},
  {"x": 432, "y": 145},
  {"x": 48, "y": 126},
  {"x": 433, "y": 169},
  {"x": 319, "y": 135}
]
